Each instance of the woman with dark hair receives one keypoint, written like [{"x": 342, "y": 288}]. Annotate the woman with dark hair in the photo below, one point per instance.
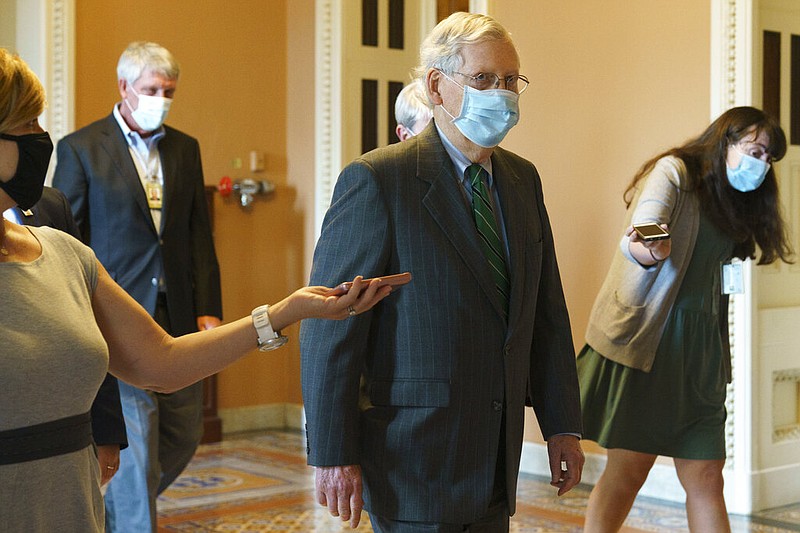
[{"x": 653, "y": 373}]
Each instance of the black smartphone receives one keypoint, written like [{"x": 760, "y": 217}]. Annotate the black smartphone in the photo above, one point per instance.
[
  {"x": 651, "y": 232},
  {"x": 394, "y": 280}
]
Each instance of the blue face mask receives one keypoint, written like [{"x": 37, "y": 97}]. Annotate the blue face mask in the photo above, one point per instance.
[
  {"x": 486, "y": 116},
  {"x": 749, "y": 175}
]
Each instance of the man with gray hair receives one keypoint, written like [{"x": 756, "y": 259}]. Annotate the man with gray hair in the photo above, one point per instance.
[
  {"x": 412, "y": 111},
  {"x": 137, "y": 194},
  {"x": 451, "y": 359}
]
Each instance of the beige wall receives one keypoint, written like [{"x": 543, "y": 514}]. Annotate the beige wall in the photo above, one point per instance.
[{"x": 613, "y": 82}]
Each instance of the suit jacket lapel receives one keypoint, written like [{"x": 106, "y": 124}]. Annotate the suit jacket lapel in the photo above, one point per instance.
[
  {"x": 116, "y": 146},
  {"x": 447, "y": 204},
  {"x": 513, "y": 207},
  {"x": 169, "y": 170}
]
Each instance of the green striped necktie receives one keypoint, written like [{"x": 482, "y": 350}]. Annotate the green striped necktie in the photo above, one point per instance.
[{"x": 486, "y": 223}]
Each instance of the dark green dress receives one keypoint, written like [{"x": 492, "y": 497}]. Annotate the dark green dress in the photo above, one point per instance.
[{"x": 678, "y": 408}]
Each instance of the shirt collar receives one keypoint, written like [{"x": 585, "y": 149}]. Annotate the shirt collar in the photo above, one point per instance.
[
  {"x": 133, "y": 137},
  {"x": 460, "y": 161}
]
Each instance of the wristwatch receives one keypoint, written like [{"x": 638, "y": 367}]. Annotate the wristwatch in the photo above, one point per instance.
[{"x": 268, "y": 339}]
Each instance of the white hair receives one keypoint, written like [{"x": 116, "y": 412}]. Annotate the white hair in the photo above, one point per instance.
[
  {"x": 412, "y": 104},
  {"x": 142, "y": 56},
  {"x": 442, "y": 48}
]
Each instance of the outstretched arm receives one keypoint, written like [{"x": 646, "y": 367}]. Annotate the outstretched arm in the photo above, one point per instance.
[{"x": 144, "y": 355}]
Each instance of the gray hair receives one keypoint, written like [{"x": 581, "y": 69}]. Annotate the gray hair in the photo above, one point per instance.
[
  {"x": 442, "y": 48},
  {"x": 142, "y": 56},
  {"x": 412, "y": 104}
]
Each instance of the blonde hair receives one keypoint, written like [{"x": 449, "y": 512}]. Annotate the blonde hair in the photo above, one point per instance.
[{"x": 22, "y": 96}]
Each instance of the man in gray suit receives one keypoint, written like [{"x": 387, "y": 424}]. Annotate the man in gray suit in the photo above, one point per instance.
[
  {"x": 451, "y": 358},
  {"x": 137, "y": 193}
]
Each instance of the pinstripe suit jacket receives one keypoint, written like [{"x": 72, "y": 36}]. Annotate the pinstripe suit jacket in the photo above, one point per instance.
[{"x": 441, "y": 363}]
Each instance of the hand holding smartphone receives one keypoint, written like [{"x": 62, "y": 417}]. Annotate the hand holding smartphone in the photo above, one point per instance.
[
  {"x": 394, "y": 280},
  {"x": 650, "y": 232}
]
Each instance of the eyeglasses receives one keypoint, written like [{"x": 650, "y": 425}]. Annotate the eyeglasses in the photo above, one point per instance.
[
  {"x": 757, "y": 150},
  {"x": 489, "y": 80}
]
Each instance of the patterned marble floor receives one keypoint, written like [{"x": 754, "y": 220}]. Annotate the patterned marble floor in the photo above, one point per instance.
[{"x": 260, "y": 483}]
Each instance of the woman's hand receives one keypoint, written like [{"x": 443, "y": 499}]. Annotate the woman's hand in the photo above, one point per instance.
[
  {"x": 315, "y": 302},
  {"x": 108, "y": 457},
  {"x": 648, "y": 253}
]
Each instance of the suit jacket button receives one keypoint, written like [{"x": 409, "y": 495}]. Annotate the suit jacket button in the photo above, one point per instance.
[
  {"x": 497, "y": 406},
  {"x": 507, "y": 350},
  {"x": 154, "y": 282}
]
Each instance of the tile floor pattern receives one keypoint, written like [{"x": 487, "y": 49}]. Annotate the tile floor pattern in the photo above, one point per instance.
[{"x": 260, "y": 483}]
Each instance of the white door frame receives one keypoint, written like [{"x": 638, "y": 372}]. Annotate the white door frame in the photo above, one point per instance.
[
  {"x": 50, "y": 51},
  {"x": 45, "y": 38}
]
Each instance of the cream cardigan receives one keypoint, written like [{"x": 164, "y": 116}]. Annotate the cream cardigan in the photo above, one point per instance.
[{"x": 631, "y": 309}]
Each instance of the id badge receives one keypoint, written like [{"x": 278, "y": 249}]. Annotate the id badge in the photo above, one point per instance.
[
  {"x": 733, "y": 277},
  {"x": 153, "y": 190}
]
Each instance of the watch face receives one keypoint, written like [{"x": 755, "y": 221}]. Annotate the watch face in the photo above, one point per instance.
[{"x": 271, "y": 344}]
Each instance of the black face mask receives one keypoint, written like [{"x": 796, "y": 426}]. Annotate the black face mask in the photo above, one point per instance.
[{"x": 25, "y": 187}]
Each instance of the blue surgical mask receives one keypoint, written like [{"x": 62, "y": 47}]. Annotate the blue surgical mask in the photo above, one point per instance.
[
  {"x": 486, "y": 116},
  {"x": 749, "y": 175}
]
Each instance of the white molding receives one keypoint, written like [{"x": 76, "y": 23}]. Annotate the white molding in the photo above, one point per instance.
[
  {"x": 480, "y": 6},
  {"x": 46, "y": 40},
  {"x": 732, "y": 41},
  {"x": 328, "y": 119},
  {"x": 61, "y": 93}
]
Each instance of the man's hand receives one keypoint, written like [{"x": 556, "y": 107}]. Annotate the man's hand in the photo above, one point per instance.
[
  {"x": 339, "y": 488},
  {"x": 566, "y": 462},
  {"x": 108, "y": 457}
]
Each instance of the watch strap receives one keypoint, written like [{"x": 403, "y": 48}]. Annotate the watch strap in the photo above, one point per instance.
[{"x": 268, "y": 338}]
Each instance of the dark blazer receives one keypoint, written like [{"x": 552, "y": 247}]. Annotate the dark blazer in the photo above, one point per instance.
[
  {"x": 442, "y": 366},
  {"x": 108, "y": 424},
  {"x": 97, "y": 174}
]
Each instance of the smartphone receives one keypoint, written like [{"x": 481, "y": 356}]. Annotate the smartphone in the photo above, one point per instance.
[
  {"x": 651, "y": 232},
  {"x": 393, "y": 280}
]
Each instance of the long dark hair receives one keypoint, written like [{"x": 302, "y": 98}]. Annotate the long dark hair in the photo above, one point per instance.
[{"x": 749, "y": 218}]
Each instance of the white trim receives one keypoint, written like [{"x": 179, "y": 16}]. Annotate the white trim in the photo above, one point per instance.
[
  {"x": 328, "y": 119},
  {"x": 45, "y": 38},
  {"x": 732, "y": 37},
  {"x": 480, "y": 6},
  {"x": 62, "y": 68}
]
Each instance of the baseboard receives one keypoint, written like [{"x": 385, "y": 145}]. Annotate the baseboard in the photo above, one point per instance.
[
  {"x": 662, "y": 483},
  {"x": 262, "y": 417},
  {"x": 775, "y": 487}
]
